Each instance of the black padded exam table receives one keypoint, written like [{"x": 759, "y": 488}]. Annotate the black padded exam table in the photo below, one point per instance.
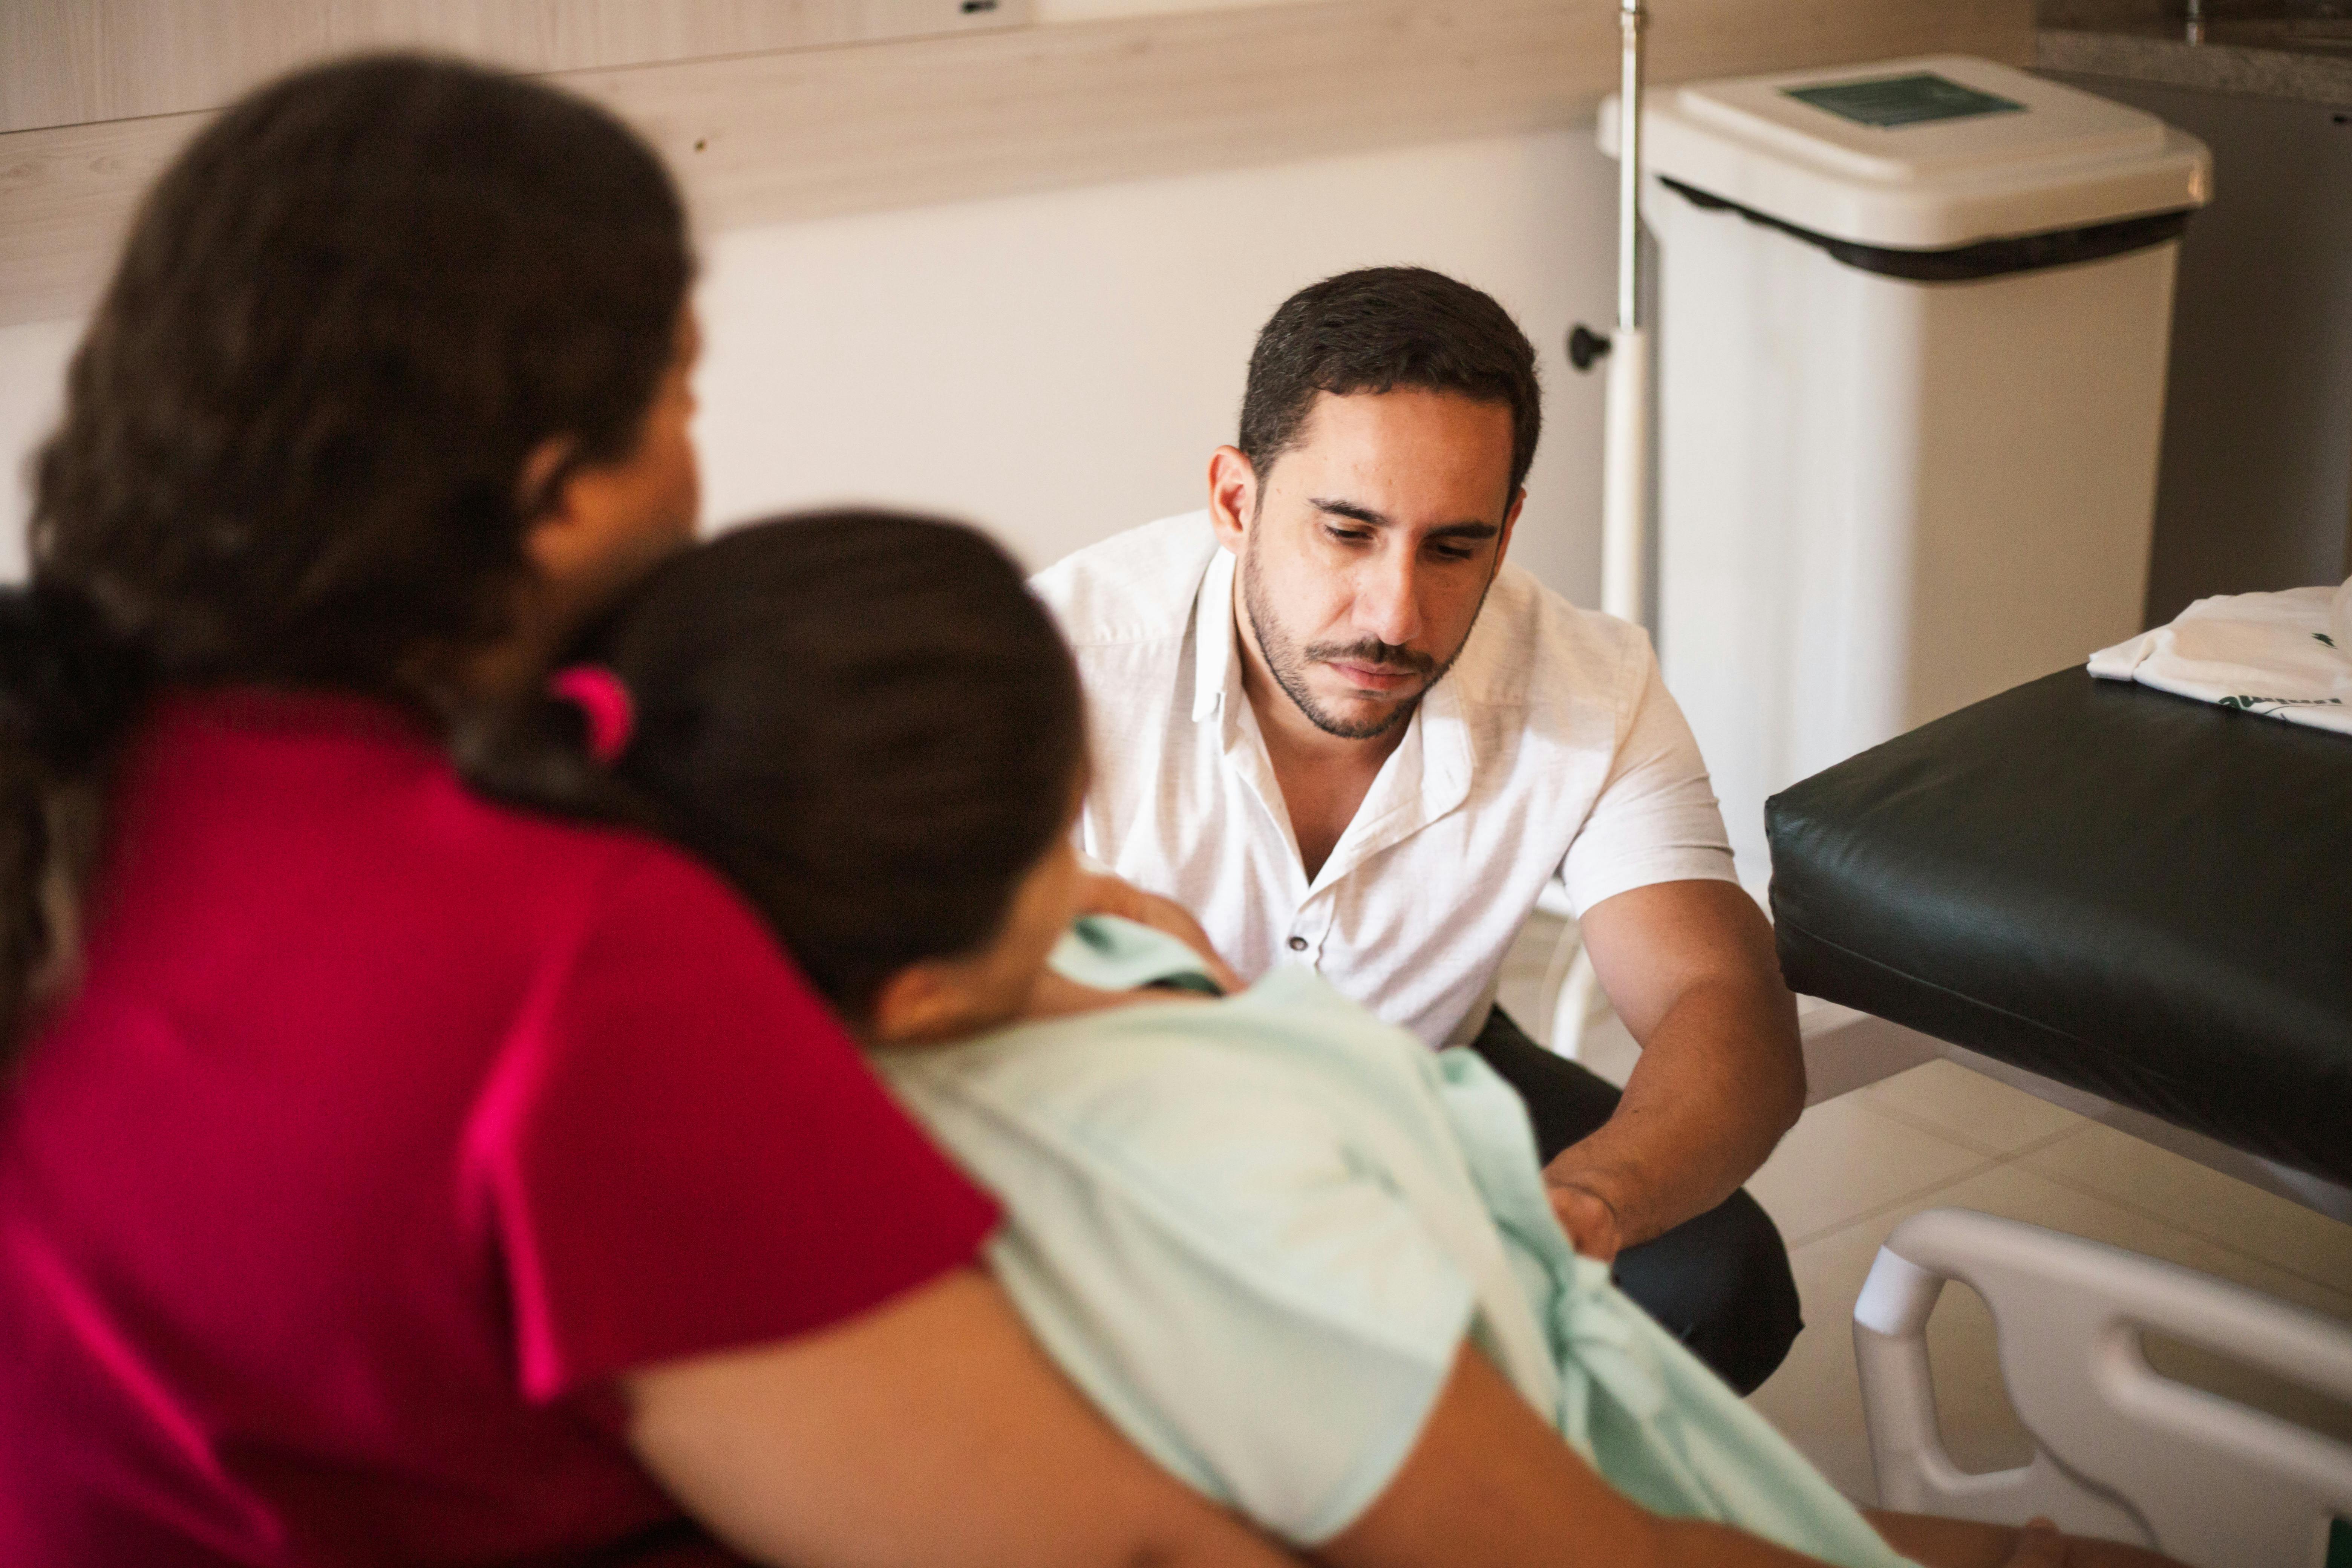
[{"x": 2142, "y": 897}]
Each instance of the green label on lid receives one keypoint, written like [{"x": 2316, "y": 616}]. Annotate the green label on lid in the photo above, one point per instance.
[{"x": 1903, "y": 99}]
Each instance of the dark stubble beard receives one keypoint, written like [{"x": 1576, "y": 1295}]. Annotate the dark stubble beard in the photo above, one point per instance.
[{"x": 1289, "y": 662}]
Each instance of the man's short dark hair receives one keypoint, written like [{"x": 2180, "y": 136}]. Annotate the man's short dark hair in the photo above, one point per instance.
[{"x": 1380, "y": 330}]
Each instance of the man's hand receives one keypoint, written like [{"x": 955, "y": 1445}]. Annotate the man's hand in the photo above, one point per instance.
[
  {"x": 1589, "y": 1220},
  {"x": 1690, "y": 968},
  {"x": 1103, "y": 894}
]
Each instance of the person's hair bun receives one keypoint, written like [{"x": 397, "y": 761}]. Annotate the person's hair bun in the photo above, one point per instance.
[{"x": 66, "y": 687}]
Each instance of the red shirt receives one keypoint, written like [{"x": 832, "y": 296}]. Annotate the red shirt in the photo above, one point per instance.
[{"x": 385, "y": 1127}]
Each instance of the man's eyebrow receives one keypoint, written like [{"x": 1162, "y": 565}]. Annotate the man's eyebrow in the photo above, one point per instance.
[
  {"x": 1350, "y": 510},
  {"x": 1371, "y": 519}
]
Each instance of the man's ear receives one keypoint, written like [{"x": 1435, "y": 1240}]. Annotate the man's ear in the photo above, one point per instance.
[
  {"x": 1232, "y": 496},
  {"x": 1511, "y": 523},
  {"x": 921, "y": 1001}
]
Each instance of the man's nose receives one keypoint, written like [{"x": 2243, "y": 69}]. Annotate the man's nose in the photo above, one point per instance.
[{"x": 1388, "y": 601}]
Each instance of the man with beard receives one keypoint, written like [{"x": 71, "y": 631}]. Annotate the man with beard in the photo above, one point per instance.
[{"x": 1330, "y": 722}]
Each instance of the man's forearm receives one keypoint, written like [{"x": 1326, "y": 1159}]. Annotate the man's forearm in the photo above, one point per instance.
[{"x": 1719, "y": 1080}]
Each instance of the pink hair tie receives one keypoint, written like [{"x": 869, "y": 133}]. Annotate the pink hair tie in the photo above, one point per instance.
[{"x": 598, "y": 692}]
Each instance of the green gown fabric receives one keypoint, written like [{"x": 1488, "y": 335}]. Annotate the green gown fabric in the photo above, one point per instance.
[{"x": 1257, "y": 1231}]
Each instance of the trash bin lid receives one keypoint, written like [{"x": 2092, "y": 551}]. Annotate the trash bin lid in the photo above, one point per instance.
[{"x": 1926, "y": 153}]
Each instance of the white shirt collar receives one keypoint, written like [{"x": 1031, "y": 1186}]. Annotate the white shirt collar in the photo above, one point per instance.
[{"x": 1214, "y": 632}]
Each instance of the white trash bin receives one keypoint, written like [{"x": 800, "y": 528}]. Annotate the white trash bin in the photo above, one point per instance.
[{"x": 1912, "y": 327}]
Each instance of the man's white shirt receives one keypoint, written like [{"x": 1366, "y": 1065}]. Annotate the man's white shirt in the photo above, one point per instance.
[{"x": 1552, "y": 750}]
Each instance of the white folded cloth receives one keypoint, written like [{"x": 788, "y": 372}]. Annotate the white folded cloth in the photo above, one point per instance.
[{"x": 2287, "y": 656}]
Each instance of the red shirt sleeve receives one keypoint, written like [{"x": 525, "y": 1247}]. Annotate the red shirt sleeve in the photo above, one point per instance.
[{"x": 682, "y": 1152}]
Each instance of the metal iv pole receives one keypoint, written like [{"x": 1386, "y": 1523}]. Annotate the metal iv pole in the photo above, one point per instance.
[
  {"x": 1626, "y": 471},
  {"x": 1569, "y": 979}
]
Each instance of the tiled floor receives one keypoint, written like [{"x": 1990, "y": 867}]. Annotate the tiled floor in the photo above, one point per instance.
[{"x": 1940, "y": 1135}]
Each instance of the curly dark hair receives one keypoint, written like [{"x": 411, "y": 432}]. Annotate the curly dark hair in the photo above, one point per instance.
[
  {"x": 296, "y": 429},
  {"x": 1378, "y": 330},
  {"x": 345, "y": 315}
]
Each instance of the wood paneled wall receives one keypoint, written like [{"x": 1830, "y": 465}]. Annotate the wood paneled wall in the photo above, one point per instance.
[
  {"x": 69, "y": 62},
  {"x": 819, "y": 126}
]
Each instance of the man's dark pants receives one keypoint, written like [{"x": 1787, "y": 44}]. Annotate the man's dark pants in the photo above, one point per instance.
[{"x": 1720, "y": 1282}]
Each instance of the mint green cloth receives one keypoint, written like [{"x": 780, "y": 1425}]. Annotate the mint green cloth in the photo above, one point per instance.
[{"x": 1256, "y": 1232}]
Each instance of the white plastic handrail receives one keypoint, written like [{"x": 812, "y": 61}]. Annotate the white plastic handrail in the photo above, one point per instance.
[{"x": 2120, "y": 1450}]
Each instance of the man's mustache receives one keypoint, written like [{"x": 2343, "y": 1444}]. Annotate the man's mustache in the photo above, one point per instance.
[{"x": 1373, "y": 655}]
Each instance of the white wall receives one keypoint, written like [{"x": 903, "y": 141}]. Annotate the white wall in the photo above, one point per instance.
[
  {"x": 32, "y": 372},
  {"x": 1059, "y": 366}
]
